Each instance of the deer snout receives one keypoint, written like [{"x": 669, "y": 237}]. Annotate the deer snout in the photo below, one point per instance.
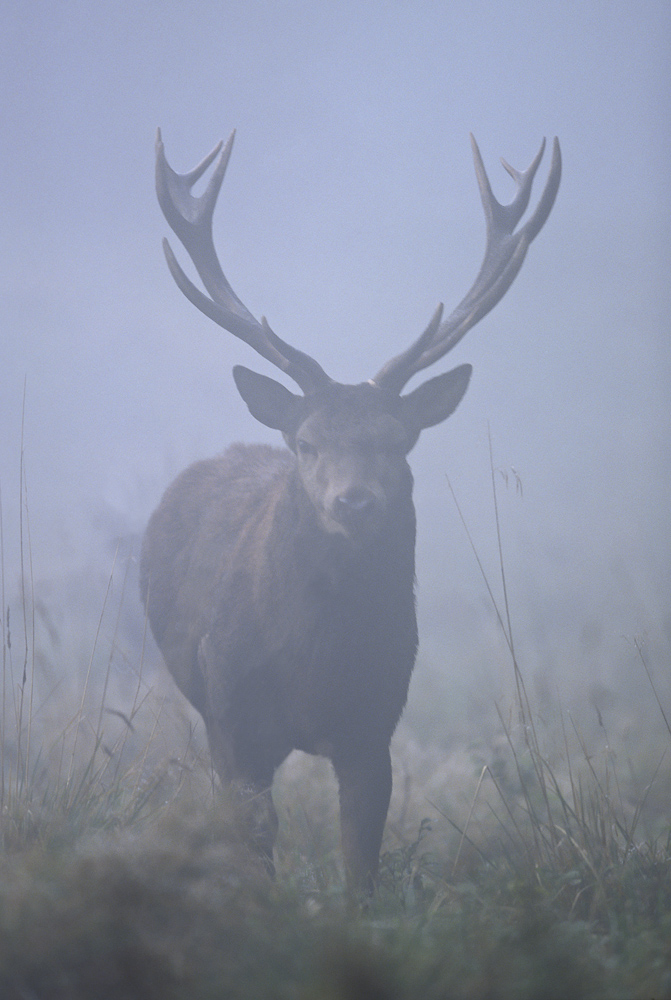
[{"x": 355, "y": 506}]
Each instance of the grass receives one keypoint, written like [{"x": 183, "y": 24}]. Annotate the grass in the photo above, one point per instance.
[{"x": 123, "y": 873}]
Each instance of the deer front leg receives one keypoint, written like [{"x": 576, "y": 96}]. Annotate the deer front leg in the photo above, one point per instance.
[
  {"x": 365, "y": 790},
  {"x": 245, "y": 769},
  {"x": 251, "y": 793}
]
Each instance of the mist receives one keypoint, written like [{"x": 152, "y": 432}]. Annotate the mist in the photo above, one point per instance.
[{"x": 349, "y": 210}]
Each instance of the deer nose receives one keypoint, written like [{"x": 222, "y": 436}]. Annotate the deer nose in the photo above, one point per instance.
[{"x": 354, "y": 505}]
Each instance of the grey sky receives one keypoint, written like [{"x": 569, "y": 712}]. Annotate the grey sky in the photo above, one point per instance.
[{"x": 349, "y": 210}]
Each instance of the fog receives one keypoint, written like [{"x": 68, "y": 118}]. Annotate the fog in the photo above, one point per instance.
[{"x": 349, "y": 210}]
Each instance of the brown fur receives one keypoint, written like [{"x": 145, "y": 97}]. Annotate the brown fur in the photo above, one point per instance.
[
  {"x": 288, "y": 625},
  {"x": 280, "y": 586}
]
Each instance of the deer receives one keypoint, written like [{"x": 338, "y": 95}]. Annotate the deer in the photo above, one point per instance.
[{"x": 279, "y": 583}]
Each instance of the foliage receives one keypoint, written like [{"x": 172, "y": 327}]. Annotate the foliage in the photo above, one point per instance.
[{"x": 123, "y": 871}]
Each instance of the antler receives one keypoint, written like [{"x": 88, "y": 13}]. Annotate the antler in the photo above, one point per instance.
[
  {"x": 191, "y": 220},
  {"x": 504, "y": 256}
]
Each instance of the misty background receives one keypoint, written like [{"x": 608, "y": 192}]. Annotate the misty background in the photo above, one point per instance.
[{"x": 349, "y": 210}]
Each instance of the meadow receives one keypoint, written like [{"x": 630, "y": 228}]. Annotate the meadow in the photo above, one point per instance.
[{"x": 524, "y": 856}]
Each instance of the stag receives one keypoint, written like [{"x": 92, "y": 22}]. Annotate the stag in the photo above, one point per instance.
[{"x": 279, "y": 583}]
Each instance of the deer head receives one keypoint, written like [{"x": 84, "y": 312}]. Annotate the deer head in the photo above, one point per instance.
[{"x": 333, "y": 429}]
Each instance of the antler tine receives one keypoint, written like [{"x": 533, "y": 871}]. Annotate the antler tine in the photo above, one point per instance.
[
  {"x": 191, "y": 220},
  {"x": 504, "y": 255},
  {"x": 408, "y": 357}
]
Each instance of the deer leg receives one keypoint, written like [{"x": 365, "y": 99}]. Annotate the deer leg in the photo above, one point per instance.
[
  {"x": 249, "y": 775},
  {"x": 259, "y": 819},
  {"x": 365, "y": 789},
  {"x": 251, "y": 791}
]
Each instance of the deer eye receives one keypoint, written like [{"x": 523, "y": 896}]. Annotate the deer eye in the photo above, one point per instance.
[{"x": 305, "y": 449}]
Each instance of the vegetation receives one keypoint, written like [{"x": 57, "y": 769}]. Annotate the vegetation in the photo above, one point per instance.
[{"x": 123, "y": 874}]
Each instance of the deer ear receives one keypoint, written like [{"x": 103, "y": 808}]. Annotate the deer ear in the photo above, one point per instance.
[
  {"x": 434, "y": 401},
  {"x": 267, "y": 400}
]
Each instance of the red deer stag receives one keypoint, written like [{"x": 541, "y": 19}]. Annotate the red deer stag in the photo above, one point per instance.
[{"x": 279, "y": 583}]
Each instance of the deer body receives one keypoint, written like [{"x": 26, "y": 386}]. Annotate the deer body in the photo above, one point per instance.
[
  {"x": 279, "y": 584},
  {"x": 271, "y": 624}
]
